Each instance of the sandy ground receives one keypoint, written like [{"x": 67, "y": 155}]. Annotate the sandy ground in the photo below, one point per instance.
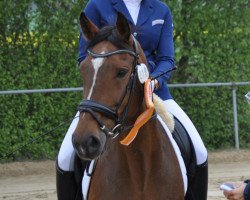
[{"x": 36, "y": 180}]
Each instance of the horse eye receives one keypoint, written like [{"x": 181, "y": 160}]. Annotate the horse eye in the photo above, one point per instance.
[{"x": 121, "y": 73}]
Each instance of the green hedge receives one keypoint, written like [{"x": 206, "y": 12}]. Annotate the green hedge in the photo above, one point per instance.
[
  {"x": 38, "y": 49},
  {"x": 212, "y": 45}
]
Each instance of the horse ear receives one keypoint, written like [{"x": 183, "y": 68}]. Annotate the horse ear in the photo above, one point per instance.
[
  {"x": 88, "y": 28},
  {"x": 123, "y": 27}
]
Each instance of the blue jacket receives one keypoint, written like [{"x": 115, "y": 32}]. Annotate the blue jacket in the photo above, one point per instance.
[{"x": 154, "y": 31}]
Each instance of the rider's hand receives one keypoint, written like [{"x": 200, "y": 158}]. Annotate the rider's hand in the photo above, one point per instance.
[
  {"x": 237, "y": 193},
  {"x": 154, "y": 84}
]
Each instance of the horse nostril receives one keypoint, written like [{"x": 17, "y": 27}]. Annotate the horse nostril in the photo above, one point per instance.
[
  {"x": 93, "y": 145},
  {"x": 87, "y": 147}
]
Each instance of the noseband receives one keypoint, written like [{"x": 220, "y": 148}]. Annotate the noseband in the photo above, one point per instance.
[{"x": 92, "y": 106}]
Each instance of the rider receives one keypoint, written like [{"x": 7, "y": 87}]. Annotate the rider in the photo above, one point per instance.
[{"x": 151, "y": 24}]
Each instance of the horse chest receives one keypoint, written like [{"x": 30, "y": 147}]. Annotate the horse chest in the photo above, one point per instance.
[
  {"x": 122, "y": 186},
  {"x": 150, "y": 174}
]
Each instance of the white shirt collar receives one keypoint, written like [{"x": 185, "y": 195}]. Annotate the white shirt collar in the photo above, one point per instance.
[{"x": 133, "y": 7}]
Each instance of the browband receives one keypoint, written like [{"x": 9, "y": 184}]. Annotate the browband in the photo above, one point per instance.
[{"x": 119, "y": 51}]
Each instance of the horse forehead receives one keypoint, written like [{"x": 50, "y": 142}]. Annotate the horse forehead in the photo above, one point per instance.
[
  {"x": 97, "y": 62},
  {"x": 99, "y": 49}
]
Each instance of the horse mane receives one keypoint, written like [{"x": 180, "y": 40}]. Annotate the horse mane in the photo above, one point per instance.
[{"x": 109, "y": 33}]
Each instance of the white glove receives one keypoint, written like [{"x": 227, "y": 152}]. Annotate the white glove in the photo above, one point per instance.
[{"x": 154, "y": 84}]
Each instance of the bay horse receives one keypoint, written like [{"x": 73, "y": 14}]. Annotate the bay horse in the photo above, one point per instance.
[{"x": 118, "y": 126}]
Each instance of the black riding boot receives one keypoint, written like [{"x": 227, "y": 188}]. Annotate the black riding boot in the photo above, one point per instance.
[
  {"x": 197, "y": 189},
  {"x": 66, "y": 185}
]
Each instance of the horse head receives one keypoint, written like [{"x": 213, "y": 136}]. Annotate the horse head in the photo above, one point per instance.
[{"x": 113, "y": 94}]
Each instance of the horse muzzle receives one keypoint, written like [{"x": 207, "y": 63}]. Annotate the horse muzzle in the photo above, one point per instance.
[{"x": 89, "y": 147}]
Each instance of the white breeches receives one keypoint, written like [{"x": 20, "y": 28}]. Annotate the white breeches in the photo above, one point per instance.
[
  {"x": 200, "y": 149},
  {"x": 66, "y": 153}
]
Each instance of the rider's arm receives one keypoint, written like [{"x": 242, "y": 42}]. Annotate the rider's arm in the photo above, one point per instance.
[{"x": 165, "y": 50}]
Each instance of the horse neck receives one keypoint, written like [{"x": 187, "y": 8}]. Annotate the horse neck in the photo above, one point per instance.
[
  {"x": 150, "y": 138},
  {"x": 146, "y": 151}
]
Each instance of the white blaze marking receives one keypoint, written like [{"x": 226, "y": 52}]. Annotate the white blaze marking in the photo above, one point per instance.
[{"x": 97, "y": 63}]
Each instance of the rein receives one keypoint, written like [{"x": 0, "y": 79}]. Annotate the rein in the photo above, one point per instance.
[
  {"x": 36, "y": 139},
  {"x": 92, "y": 107}
]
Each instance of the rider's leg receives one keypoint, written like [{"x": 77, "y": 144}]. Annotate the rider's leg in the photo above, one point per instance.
[
  {"x": 200, "y": 180},
  {"x": 198, "y": 185},
  {"x": 65, "y": 184},
  {"x": 65, "y": 178}
]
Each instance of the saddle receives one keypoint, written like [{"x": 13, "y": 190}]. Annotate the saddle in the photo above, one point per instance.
[
  {"x": 183, "y": 141},
  {"x": 186, "y": 147},
  {"x": 178, "y": 131}
]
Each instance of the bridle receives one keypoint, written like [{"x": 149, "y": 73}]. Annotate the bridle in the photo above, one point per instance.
[{"x": 93, "y": 107}]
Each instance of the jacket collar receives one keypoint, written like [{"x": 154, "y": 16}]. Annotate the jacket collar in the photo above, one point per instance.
[
  {"x": 121, "y": 7},
  {"x": 145, "y": 12}
]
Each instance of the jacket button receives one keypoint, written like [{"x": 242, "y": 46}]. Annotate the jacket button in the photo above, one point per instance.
[{"x": 135, "y": 34}]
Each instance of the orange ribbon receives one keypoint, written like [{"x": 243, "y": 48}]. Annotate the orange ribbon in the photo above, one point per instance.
[{"x": 144, "y": 117}]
